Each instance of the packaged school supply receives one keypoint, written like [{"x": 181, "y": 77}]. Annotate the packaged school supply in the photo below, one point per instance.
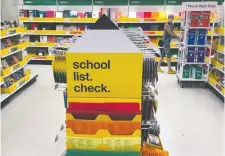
[
  {"x": 43, "y": 38},
  {"x": 197, "y": 72},
  {"x": 186, "y": 71},
  {"x": 192, "y": 36},
  {"x": 42, "y": 14},
  {"x": 200, "y": 55},
  {"x": 191, "y": 55},
  {"x": 59, "y": 14},
  {"x": 194, "y": 18},
  {"x": 205, "y": 19},
  {"x": 201, "y": 39},
  {"x": 88, "y": 14},
  {"x": 50, "y": 14},
  {"x": 66, "y": 13},
  {"x": 73, "y": 14}
]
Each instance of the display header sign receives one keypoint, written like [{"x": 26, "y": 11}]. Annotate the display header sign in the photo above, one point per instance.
[
  {"x": 146, "y": 2},
  {"x": 74, "y": 2},
  {"x": 199, "y": 6},
  {"x": 39, "y": 2},
  {"x": 110, "y": 2},
  {"x": 104, "y": 75}
]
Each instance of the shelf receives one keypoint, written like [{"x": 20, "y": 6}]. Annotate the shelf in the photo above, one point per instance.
[
  {"x": 190, "y": 79},
  {"x": 160, "y": 33},
  {"x": 53, "y": 32},
  {"x": 207, "y": 61},
  {"x": 12, "y": 50},
  {"x": 147, "y": 20},
  {"x": 220, "y": 48},
  {"x": 173, "y": 59},
  {"x": 218, "y": 65},
  {"x": 8, "y": 71},
  {"x": 47, "y": 44},
  {"x": 27, "y": 79},
  {"x": 220, "y": 31},
  {"x": 206, "y": 46},
  {"x": 216, "y": 85},
  {"x": 11, "y": 32},
  {"x": 47, "y": 58},
  {"x": 58, "y": 20}
]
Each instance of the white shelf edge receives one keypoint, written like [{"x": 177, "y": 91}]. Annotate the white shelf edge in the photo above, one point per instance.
[
  {"x": 17, "y": 69},
  {"x": 10, "y": 35},
  {"x": 5, "y": 95},
  {"x": 54, "y": 22},
  {"x": 13, "y": 52},
  {"x": 190, "y": 79}
]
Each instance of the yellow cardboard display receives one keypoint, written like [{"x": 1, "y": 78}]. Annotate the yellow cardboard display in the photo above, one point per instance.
[{"x": 116, "y": 78}]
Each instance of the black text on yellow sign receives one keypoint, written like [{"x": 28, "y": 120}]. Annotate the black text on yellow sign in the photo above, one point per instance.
[{"x": 117, "y": 75}]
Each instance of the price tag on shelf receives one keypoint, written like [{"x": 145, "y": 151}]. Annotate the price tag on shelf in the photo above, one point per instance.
[
  {"x": 218, "y": 87},
  {"x": 67, "y": 19},
  {"x": 67, "y": 32},
  {"x": 32, "y": 44},
  {"x": 31, "y": 18}
]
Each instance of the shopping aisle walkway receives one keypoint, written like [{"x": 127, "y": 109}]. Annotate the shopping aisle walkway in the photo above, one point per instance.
[{"x": 191, "y": 119}]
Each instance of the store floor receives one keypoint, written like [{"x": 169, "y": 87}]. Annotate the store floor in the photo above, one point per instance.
[{"x": 191, "y": 119}]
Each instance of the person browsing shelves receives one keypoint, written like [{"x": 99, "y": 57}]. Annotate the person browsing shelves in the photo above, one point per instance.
[{"x": 167, "y": 37}]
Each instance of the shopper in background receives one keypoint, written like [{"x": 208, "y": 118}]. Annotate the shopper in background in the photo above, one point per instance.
[{"x": 167, "y": 37}]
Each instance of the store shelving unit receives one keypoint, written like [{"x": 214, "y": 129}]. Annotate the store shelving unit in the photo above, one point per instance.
[
  {"x": 194, "y": 62},
  {"x": 16, "y": 52}
]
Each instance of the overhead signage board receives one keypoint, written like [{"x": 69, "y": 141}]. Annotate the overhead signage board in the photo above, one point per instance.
[
  {"x": 39, "y": 2},
  {"x": 146, "y": 2},
  {"x": 199, "y": 6},
  {"x": 110, "y": 2},
  {"x": 74, "y": 2}
]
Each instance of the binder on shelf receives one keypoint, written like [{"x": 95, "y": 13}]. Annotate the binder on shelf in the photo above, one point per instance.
[
  {"x": 92, "y": 127},
  {"x": 103, "y": 117}
]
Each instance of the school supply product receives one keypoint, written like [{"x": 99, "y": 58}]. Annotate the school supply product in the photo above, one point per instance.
[
  {"x": 191, "y": 55},
  {"x": 66, "y": 13},
  {"x": 201, "y": 39},
  {"x": 43, "y": 39},
  {"x": 59, "y": 14},
  {"x": 194, "y": 18},
  {"x": 197, "y": 72},
  {"x": 204, "y": 19},
  {"x": 200, "y": 55},
  {"x": 192, "y": 36},
  {"x": 50, "y": 14}
]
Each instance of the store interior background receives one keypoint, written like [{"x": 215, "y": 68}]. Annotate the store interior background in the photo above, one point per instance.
[{"x": 191, "y": 119}]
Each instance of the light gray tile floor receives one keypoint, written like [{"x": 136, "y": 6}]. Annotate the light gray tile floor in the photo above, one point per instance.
[{"x": 191, "y": 119}]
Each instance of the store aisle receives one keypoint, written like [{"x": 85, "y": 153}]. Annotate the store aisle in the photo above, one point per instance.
[
  {"x": 191, "y": 119},
  {"x": 32, "y": 120}
]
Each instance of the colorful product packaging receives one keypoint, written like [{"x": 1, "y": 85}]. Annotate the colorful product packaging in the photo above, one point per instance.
[
  {"x": 191, "y": 54},
  {"x": 192, "y": 36},
  {"x": 201, "y": 39},
  {"x": 200, "y": 55}
]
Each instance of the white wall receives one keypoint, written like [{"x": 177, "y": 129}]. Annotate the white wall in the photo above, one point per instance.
[{"x": 9, "y": 9}]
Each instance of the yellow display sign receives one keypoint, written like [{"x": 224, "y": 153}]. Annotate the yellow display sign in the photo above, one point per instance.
[{"x": 104, "y": 75}]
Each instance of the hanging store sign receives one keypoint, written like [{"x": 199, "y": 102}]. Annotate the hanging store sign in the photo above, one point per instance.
[
  {"x": 199, "y": 6},
  {"x": 104, "y": 75},
  {"x": 39, "y": 2},
  {"x": 110, "y": 2},
  {"x": 74, "y": 2},
  {"x": 146, "y": 2}
]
